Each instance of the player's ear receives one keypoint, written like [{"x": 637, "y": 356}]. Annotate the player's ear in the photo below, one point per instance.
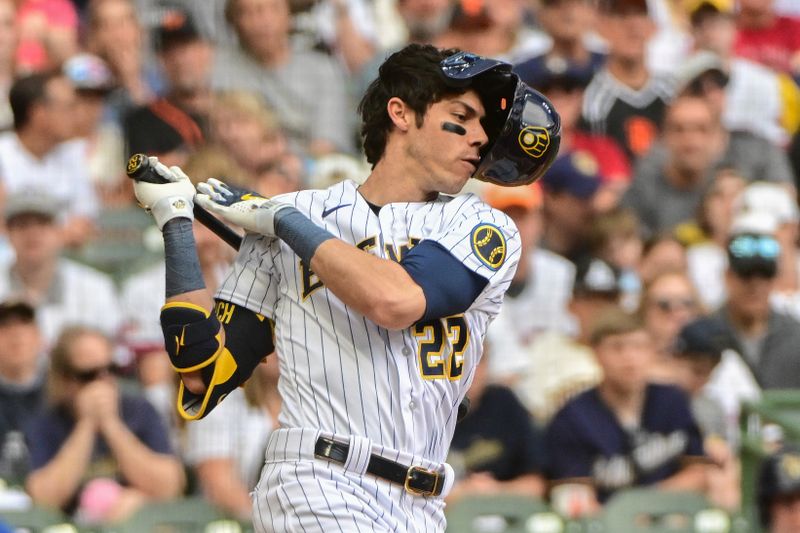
[{"x": 400, "y": 114}]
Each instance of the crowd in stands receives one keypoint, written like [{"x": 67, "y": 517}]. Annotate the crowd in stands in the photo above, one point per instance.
[{"x": 659, "y": 286}]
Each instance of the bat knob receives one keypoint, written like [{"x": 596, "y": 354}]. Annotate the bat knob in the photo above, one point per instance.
[{"x": 138, "y": 164}]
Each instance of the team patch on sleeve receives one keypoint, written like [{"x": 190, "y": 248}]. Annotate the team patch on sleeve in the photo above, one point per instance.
[{"x": 489, "y": 245}]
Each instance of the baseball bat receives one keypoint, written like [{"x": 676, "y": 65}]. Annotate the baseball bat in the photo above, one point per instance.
[{"x": 139, "y": 169}]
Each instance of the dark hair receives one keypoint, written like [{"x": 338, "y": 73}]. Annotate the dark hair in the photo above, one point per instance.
[
  {"x": 411, "y": 74},
  {"x": 27, "y": 92}
]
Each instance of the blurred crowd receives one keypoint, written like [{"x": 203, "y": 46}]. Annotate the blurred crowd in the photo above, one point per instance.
[{"x": 659, "y": 286}]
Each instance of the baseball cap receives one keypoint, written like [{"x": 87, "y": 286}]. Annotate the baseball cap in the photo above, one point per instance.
[
  {"x": 752, "y": 254},
  {"x": 697, "y": 65},
  {"x": 175, "y": 27},
  {"x": 576, "y": 173},
  {"x": 546, "y": 72},
  {"x": 527, "y": 197},
  {"x": 701, "y": 337},
  {"x": 11, "y": 310},
  {"x": 160, "y": 128},
  {"x": 771, "y": 198},
  {"x": 89, "y": 73},
  {"x": 30, "y": 202},
  {"x": 593, "y": 276},
  {"x": 757, "y": 222},
  {"x": 779, "y": 477}
]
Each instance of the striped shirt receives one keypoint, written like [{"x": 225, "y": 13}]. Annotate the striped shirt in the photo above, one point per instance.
[{"x": 342, "y": 373}]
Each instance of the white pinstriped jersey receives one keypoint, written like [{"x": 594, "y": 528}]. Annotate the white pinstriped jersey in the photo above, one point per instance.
[{"x": 340, "y": 372}]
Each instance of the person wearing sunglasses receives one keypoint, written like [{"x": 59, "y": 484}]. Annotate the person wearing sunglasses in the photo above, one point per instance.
[
  {"x": 97, "y": 453},
  {"x": 764, "y": 338}
]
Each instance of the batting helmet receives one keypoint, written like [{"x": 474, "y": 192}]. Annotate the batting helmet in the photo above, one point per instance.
[{"x": 523, "y": 127}]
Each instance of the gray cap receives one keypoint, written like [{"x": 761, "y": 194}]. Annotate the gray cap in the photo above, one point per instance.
[{"x": 31, "y": 202}]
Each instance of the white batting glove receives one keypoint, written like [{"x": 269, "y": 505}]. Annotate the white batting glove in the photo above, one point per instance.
[
  {"x": 246, "y": 209},
  {"x": 166, "y": 201}
]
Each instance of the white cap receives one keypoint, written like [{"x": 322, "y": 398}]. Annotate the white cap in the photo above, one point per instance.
[
  {"x": 771, "y": 198},
  {"x": 759, "y": 222}
]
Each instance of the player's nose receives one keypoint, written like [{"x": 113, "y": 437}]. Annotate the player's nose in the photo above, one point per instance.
[{"x": 478, "y": 136}]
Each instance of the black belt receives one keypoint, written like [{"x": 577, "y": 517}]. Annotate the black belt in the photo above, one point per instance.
[{"x": 415, "y": 479}]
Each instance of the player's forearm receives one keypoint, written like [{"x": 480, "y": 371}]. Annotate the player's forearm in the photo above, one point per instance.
[
  {"x": 155, "y": 474},
  {"x": 56, "y": 482},
  {"x": 378, "y": 288}
]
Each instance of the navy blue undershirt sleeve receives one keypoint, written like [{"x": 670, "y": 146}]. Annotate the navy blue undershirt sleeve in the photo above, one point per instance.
[{"x": 448, "y": 285}]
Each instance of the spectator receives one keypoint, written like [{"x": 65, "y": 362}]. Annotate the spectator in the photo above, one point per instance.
[
  {"x": 764, "y": 338},
  {"x": 669, "y": 182},
  {"x": 564, "y": 84},
  {"x": 115, "y": 35},
  {"x": 536, "y": 301},
  {"x": 248, "y": 130},
  {"x": 767, "y": 38},
  {"x": 627, "y": 431},
  {"x": 61, "y": 290},
  {"x": 96, "y": 451},
  {"x": 493, "y": 28},
  {"x": 496, "y": 447},
  {"x": 569, "y": 188},
  {"x": 284, "y": 175},
  {"x": 661, "y": 253},
  {"x": 23, "y": 369},
  {"x": 697, "y": 352},
  {"x": 669, "y": 301},
  {"x": 182, "y": 114},
  {"x": 287, "y": 78},
  {"x": 625, "y": 101},
  {"x": 48, "y": 34},
  {"x": 8, "y": 44},
  {"x": 755, "y": 99},
  {"x": 706, "y": 256},
  {"x": 104, "y": 149},
  {"x": 566, "y": 26},
  {"x": 39, "y": 155},
  {"x": 226, "y": 448},
  {"x": 615, "y": 238},
  {"x": 778, "y": 492},
  {"x": 561, "y": 365}
]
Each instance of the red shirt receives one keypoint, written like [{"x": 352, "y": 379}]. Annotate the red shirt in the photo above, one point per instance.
[
  {"x": 611, "y": 160},
  {"x": 772, "y": 46}
]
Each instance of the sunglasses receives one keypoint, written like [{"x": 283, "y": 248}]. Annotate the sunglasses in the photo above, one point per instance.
[
  {"x": 754, "y": 247},
  {"x": 93, "y": 374},
  {"x": 668, "y": 305}
]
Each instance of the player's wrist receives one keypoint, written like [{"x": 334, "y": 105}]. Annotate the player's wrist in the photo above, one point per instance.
[
  {"x": 171, "y": 207},
  {"x": 299, "y": 233}
]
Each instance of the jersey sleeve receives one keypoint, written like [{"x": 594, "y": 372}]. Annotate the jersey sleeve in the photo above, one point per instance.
[
  {"x": 253, "y": 280},
  {"x": 487, "y": 242}
]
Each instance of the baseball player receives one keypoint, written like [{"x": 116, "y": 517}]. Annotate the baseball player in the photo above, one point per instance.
[{"x": 376, "y": 298}]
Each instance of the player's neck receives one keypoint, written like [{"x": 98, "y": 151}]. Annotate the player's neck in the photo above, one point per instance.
[{"x": 393, "y": 183}]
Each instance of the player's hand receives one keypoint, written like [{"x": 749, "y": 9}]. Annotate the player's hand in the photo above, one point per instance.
[
  {"x": 166, "y": 200},
  {"x": 244, "y": 208}
]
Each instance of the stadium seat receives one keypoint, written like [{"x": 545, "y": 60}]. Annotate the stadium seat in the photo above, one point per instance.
[
  {"x": 775, "y": 418},
  {"x": 501, "y": 514},
  {"x": 658, "y": 511},
  {"x": 37, "y": 520},
  {"x": 189, "y": 515}
]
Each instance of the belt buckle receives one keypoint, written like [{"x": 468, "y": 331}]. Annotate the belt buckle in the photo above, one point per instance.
[{"x": 420, "y": 492}]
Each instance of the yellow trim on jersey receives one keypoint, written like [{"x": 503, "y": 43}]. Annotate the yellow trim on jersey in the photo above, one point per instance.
[{"x": 179, "y": 341}]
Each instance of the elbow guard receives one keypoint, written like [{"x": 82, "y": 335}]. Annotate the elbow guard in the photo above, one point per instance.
[{"x": 192, "y": 340}]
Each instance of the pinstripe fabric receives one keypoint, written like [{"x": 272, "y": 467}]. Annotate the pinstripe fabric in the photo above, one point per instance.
[{"x": 343, "y": 374}]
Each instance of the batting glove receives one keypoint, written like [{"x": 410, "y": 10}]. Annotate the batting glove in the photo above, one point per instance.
[
  {"x": 246, "y": 209},
  {"x": 165, "y": 201}
]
